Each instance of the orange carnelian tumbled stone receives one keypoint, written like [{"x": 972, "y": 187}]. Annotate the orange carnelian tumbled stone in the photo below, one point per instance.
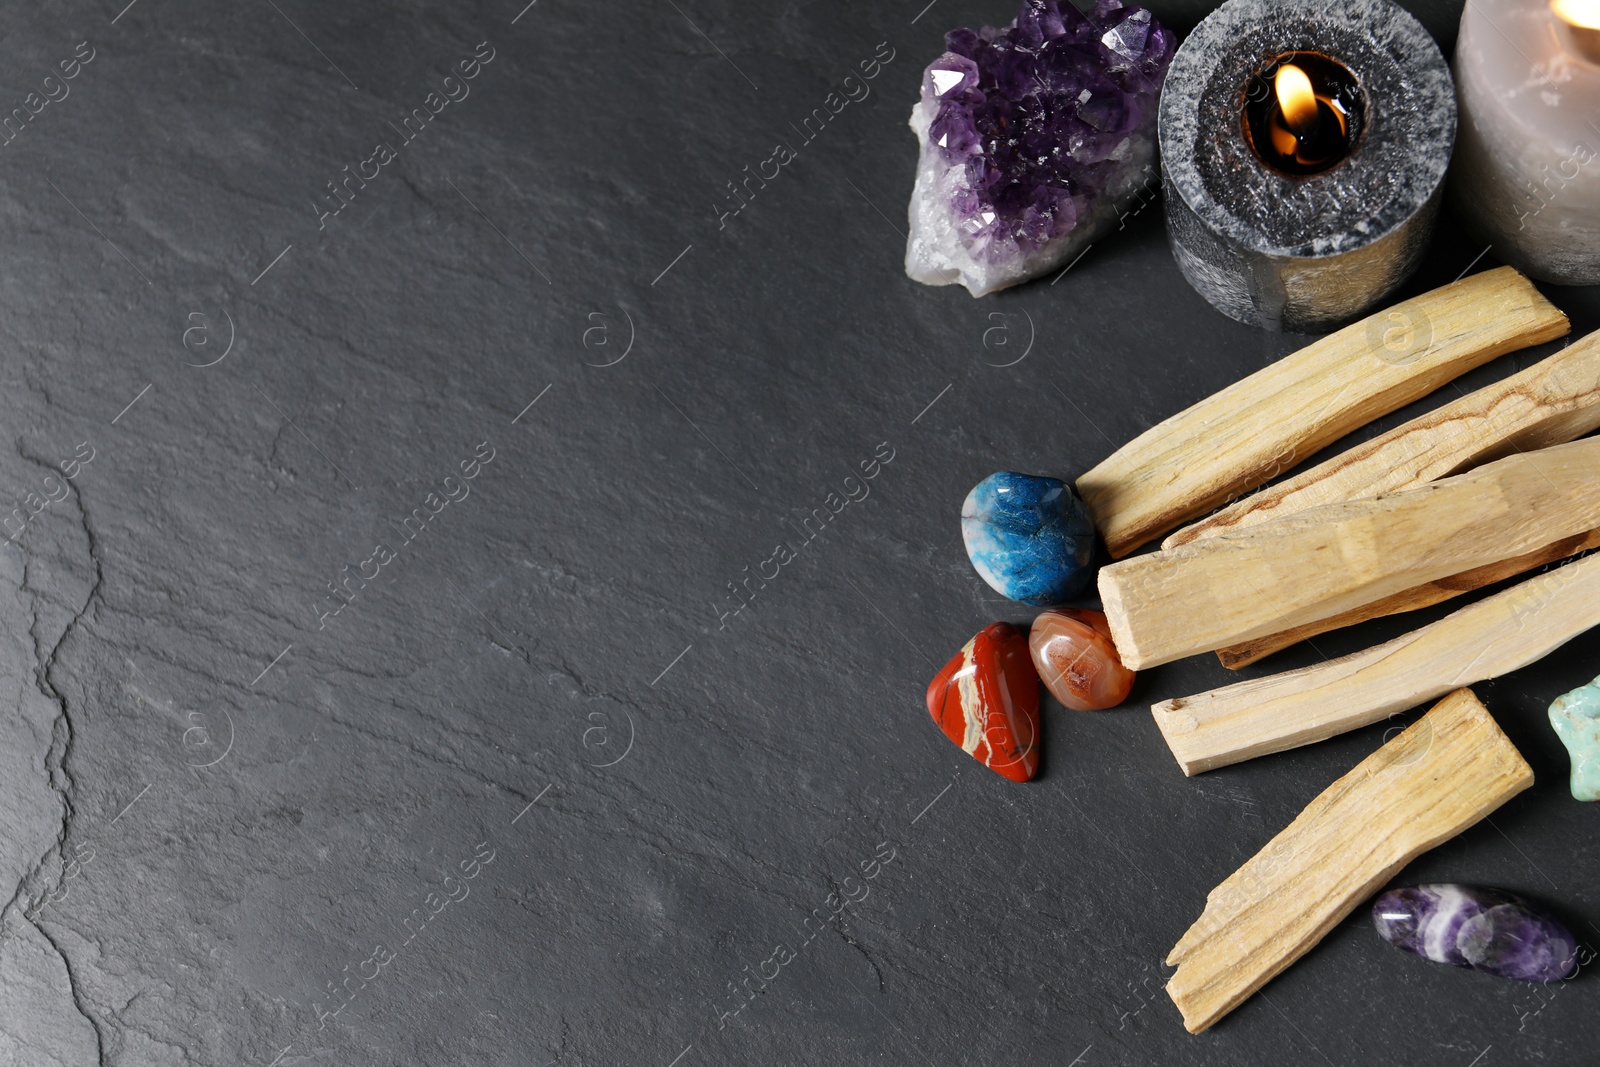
[{"x": 1073, "y": 652}]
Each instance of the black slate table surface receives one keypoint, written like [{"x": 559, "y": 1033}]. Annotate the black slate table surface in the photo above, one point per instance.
[{"x": 538, "y": 794}]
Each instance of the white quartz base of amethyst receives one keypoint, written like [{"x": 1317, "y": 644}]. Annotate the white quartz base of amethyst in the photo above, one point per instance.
[{"x": 939, "y": 251}]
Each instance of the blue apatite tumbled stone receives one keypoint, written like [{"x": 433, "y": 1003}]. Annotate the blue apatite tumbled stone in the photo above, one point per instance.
[
  {"x": 1030, "y": 537},
  {"x": 1485, "y": 929},
  {"x": 1576, "y": 717}
]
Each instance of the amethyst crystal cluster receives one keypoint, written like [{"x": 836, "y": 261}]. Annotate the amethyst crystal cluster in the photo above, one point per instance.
[{"x": 1035, "y": 139}]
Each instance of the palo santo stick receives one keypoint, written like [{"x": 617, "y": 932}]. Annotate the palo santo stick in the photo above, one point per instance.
[
  {"x": 1242, "y": 655},
  {"x": 1230, "y": 588},
  {"x": 1450, "y": 769},
  {"x": 1553, "y": 401},
  {"x": 1494, "y": 636},
  {"x": 1242, "y": 436}
]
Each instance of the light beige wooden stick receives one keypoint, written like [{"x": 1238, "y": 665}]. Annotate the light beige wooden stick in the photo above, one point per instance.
[
  {"x": 1242, "y": 655},
  {"x": 1446, "y": 772},
  {"x": 1553, "y": 401},
  {"x": 1258, "y": 427},
  {"x": 1231, "y": 588},
  {"x": 1494, "y": 636}
]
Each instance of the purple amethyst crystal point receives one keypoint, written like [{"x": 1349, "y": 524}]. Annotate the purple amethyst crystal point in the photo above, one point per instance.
[
  {"x": 1485, "y": 929},
  {"x": 1036, "y": 139},
  {"x": 1516, "y": 941},
  {"x": 1426, "y": 919}
]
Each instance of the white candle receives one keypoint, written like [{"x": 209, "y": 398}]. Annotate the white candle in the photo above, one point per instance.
[{"x": 1526, "y": 172}]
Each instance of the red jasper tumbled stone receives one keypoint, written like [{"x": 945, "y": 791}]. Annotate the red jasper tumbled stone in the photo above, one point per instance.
[{"x": 986, "y": 699}]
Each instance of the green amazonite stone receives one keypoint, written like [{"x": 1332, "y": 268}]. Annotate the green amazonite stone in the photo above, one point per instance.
[{"x": 1576, "y": 718}]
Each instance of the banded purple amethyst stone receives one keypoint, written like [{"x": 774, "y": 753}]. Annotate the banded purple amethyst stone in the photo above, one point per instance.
[
  {"x": 1036, "y": 139},
  {"x": 1484, "y": 929}
]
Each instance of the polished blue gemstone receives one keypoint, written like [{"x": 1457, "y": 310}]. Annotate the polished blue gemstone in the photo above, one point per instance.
[{"x": 1030, "y": 538}]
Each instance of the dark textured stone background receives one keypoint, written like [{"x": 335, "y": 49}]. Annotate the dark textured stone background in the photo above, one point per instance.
[{"x": 200, "y": 845}]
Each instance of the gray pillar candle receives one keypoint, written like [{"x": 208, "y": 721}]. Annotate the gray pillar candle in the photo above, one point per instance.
[{"x": 1304, "y": 225}]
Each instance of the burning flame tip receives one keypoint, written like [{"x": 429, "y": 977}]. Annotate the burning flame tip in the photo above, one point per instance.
[{"x": 1584, "y": 14}]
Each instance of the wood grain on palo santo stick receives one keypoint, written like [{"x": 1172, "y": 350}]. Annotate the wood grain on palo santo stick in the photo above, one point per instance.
[
  {"x": 1254, "y": 429},
  {"x": 1554, "y": 401},
  {"x": 1446, "y": 772},
  {"x": 1494, "y": 636},
  {"x": 1228, "y": 589},
  {"x": 1414, "y": 599}
]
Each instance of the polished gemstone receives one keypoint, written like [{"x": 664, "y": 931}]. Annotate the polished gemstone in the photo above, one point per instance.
[
  {"x": 1076, "y": 659},
  {"x": 1576, "y": 717},
  {"x": 1030, "y": 538},
  {"x": 1036, "y": 139},
  {"x": 1486, "y": 929},
  {"x": 986, "y": 699}
]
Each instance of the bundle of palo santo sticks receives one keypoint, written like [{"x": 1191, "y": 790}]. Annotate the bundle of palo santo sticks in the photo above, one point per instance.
[{"x": 1484, "y": 488}]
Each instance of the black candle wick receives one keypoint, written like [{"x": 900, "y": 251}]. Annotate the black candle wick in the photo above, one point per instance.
[{"x": 1307, "y": 132}]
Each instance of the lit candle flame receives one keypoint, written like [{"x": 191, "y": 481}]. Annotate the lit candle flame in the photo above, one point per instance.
[
  {"x": 1296, "y": 98},
  {"x": 1584, "y": 14},
  {"x": 1583, "y": 25}
]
